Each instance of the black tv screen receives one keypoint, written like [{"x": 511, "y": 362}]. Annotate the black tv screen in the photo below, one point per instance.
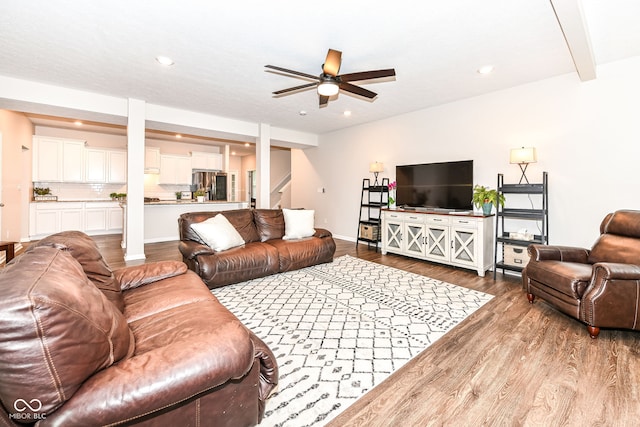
[{"x": 446, "y": 185}]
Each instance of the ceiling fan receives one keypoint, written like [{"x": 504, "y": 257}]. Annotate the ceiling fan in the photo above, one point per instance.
[{"x": 329, "y": 82}]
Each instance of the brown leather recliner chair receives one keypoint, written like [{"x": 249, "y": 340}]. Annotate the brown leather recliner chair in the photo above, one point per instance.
[{"x": 600, "y": 286}]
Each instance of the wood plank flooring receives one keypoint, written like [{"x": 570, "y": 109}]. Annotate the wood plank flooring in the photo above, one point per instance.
[{"x": 509, "y": 364}]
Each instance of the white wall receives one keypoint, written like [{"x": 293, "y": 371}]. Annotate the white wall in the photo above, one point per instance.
[
  {"x": 16, "y": 131},
  {"x": 586, "y": 134}
]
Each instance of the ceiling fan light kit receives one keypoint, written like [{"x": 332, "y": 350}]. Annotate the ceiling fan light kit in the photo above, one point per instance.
[
  {"x": 328, "y": 88},
  {"x": 329, "y": 83}
]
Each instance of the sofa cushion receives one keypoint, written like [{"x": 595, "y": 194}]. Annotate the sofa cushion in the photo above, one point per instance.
[
  {"x": 56, "y": 329},
  {"x": 270, "y": 223},
  {"x": 85, "y": 251},
  {"x": 238, "y": 264},
  {"x": 218, "y": 233},
  {"x": 569, "y": 278},
  {"x": 300, "y": 253},
  {"x": 298, "y": 223}
]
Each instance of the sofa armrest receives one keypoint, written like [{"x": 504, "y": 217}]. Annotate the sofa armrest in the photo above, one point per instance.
[
  {"x": 615, "y": 271},
  {"x": 613, "y": 296},
  {"x": 321, "y": 232},
  {"x": 190, "y": 249},
  {"x": 155, "y": 380},
  {"x": 558, "y": 253},
  {"x": 139, "y": 275},
  {"x": 268, "y": 372}
]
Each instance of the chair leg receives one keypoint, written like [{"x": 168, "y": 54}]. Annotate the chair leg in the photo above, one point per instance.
[
  {"x": 593, "y": 331},
  {"x": 531, "y": 297}
]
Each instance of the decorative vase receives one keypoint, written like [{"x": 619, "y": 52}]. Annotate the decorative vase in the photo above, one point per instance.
[
  {"x": 486, "y": 208},
  {"x": 200, "y": 199}
]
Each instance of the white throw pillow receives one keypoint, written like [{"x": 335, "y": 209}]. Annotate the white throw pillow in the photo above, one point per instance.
[
  {"x": 298, "y": 223},
  {"x": 218, "y": 233}
]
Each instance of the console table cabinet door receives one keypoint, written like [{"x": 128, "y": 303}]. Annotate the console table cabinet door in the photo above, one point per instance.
[
  {"x": 464, "y": 246},
  {"x": 437, "y": 243},
  {"x": 414, "y": 238},
  {"x": 392, "y": 237}
]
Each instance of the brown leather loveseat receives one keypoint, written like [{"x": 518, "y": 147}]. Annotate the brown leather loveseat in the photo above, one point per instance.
[
  {"x": 81, "y": 345},
  {"x": 598, "y": 286},
  {"x": 263, "y": 250}
]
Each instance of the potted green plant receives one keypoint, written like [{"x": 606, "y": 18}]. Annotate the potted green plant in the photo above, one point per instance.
[
  {"x": 486, "y": 198},
  {"x": 178, "y": 195},
  {"x": 199, "y": 195}
]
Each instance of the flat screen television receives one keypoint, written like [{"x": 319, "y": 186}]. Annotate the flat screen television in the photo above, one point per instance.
[{"x": 438, "y": 186}]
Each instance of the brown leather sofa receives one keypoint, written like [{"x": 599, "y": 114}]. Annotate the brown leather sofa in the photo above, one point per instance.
[
  {"x": 264, "y": 251},
  {"x": 598, "y": 286},
  {"x": 148, "y": 345}
]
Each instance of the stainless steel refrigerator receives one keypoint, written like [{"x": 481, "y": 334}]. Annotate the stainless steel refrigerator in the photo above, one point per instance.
[{"x": 213, "y": 183}]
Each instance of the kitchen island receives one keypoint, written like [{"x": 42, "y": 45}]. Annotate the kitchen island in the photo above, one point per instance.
[{"x": 161, "y": 217}]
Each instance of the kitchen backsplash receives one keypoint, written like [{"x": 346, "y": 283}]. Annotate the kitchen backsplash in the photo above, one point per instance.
[{"x": 79, "y": 191}]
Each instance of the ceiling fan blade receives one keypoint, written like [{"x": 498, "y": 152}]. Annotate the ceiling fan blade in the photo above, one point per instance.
[
  {"x": 324, "y": 100},
  {"x": 357, "y": 90},
  {"x": 331, "y": 65},
  {"x": 367, "y": 75},
  {"x": 297, "y": 73},
  {"x": 293, "y": 89}
]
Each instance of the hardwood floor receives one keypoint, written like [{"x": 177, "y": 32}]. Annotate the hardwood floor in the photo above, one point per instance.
[{"x": 509, "y": 364}]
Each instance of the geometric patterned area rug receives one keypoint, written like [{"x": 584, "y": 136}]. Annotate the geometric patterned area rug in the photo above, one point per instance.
[{"x": 339, "y": 329}]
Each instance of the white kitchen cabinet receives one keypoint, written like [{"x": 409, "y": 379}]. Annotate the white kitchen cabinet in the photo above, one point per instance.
[
  {"x": 95, "y": 165},
  {"x": 73, "y": 161},
  {"x": 47, "y": 160},
  {"x": 57, "y": 160},
  {"x": 151, "y": 160},
  {"x": 52, "y": 217},
  {"x": 206, "y": 161},
  {"x": 93, "y": 218},
  {"x": 105, "y": 166},
  {"x": 115, "y": 219},
  {"x": 116, "y": 167},
  {"x": 457, "y": 240},
  {"x": 175, "y": 170}
]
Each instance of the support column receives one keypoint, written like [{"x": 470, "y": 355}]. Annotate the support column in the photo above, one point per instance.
[
  {"x": 263, "y": 169},
  {"x": 134, "y": 238}
]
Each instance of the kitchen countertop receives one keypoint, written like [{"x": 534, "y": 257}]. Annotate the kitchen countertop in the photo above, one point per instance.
[
  {"x": 74, "y": 201},
  {"x": 186, "y": 202}
]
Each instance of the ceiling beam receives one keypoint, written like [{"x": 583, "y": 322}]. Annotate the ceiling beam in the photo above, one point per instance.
[{"x": 574, "y": 27}]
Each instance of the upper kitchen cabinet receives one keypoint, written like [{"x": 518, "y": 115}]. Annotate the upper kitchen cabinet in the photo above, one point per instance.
[
  {"x": 151, "y": 160},
  {"x": 116, "y": 167},
  {"x": 206, "y": 161},
  {"x": 105, "y": 166},
  {"x": 57, "y": 160},
  {"x": 175, "y": 169}
]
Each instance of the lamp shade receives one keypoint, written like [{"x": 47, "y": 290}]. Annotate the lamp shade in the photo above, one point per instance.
[
  {"x": 523, "y": 155},
  {"x": 376, "y": 167}
]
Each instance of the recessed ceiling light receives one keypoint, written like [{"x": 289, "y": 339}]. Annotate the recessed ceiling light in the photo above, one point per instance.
[
  {"x": 78, "y": 123},
  {"x": 233, "y": 153},
  {"x": 302, "y": 113},
  {"x": 347, "y": 113},
  {"x": 164, "y": 60},
  {"x": 485, "y": 69},
  {"x": 178, "y": 136},
  {"x": 246, "y": 144}
]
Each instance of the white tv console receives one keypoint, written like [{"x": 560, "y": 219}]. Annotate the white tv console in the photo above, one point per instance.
[{"x": 457, "y": 239}]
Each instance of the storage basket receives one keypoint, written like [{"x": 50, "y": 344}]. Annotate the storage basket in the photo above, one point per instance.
[
  {"x": 370, "y": 232},
  {"x": 515, "y": 255}
]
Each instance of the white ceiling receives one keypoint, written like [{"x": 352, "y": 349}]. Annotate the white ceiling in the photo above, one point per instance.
[{"x": 220, "y": 49}]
